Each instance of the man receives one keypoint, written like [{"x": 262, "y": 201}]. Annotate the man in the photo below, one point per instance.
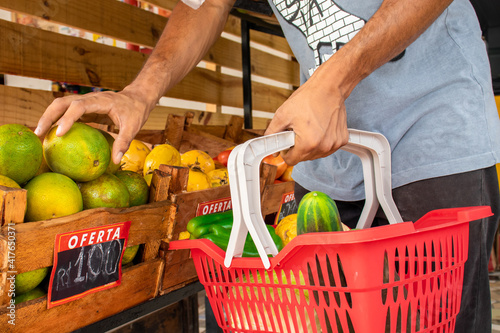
[{"x": 413, "y": 70}]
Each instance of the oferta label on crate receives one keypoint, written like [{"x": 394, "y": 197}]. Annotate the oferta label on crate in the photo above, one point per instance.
[
  {"x": 87, "y": 261},
  {"x": 214, "y": 206},
  {"x": 288, "y": 206}
]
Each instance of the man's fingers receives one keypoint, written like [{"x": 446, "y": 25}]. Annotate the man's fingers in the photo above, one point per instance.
[
  {"x": 54, "y": 111},
  {"x": 122, "y": 143}
]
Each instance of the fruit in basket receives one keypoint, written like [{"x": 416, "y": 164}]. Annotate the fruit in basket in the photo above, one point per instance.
[
  {"x": 277, "y": 161},
  {"x": 21, "y": 152},
  {"x": 52, "y": 195},
  {"x": 161, "y": 154},
  {"x": 217, "y": 227},
  {"x": 218, "y": 177},
  {"x": 6, "y": 181},
  {"x": 317, "y": 212},
  {"x": 198, "y": 181},
  {"x": 135, "y": 156},
  {"x": 136, "y": 185},
  {"x": 112, "y": 167},
  {"x": 27, "y": 281},
  {"x": 198, "y": 159},
  {"x": 287, "y": 228},
  {"x": 105, "y": 191},
  {"x": 82, "y": 153},
  {"x": 129, "y": 254},
  {"x": 32, "y": 294}
]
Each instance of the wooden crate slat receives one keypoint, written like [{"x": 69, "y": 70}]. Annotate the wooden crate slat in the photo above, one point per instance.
[
  {"x": 93, "y": 64},
  {"x": 134, "y": 25},
  {"x": 109, "y": 18},
  {"x": 233, "y": 26},
  {"x": 25, "y": 106},
  {"x": 140, "y": 283},
  {"x": 22, "y": 105}
]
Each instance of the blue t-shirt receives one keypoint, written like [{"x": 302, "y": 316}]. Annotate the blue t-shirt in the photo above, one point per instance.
[{"x": 435, "y": 104}]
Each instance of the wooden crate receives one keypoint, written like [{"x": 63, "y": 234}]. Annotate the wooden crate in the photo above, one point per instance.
[
  {"x": 34, "y": 248},
  {"x": 34, "y": 51},
  {"x": 181, "y": 133}
]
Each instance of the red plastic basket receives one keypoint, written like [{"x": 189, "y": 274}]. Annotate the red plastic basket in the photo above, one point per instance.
[{"x": 405, "y": 277}]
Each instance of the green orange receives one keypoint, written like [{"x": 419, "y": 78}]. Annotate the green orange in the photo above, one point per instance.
[
  {"x": 105, "y": 191},
  {"x": 6, "y": 181},
  {"x": 129, "y": 254},
  {"x": 136, "y": 185},
  {"x": 82, "y": 153},
  {"x": 32, "y": 294},
  {"x": 52, "y": 195},
  {"x": 20, "y": 152},
  {"x": 27, "y": 281}
]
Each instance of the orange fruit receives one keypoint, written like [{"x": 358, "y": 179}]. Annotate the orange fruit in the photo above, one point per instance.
[
  {"x": 29, "y": 295},
  {"x": 198, "y": 181},
  {"x": 20, "y": 152},
  {"x": 287, "y": 175},
  {"x": 6, "y": 181},
  {"x": 112, "y": 167},
  {"x": 52, "y": 195},
  {"x": 218, "y": 177},
  {"x": 198, "y": 159},
  {"x": 161, "y": 154},
  {"x": 278, "y": 161},
  {"x": 82, "y": 154},
  {"x": 134, "y": 157},
  {"x": 148, "y": 178},
  {"x": 136, "y": 185},
  {"x": 105, "y": 191}
]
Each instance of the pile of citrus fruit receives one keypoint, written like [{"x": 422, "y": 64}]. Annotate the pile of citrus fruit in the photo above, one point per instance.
[{"x": 64, "y": 175}]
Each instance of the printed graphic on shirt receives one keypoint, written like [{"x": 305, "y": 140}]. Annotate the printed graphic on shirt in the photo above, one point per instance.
[{"x": 324, "y": 24}]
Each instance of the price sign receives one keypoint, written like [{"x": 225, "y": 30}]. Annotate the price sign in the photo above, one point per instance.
[
  {"x": 288, "y": 206},
  {"x": 87, "y": 261},
  {"x": 214, "y": 206}
]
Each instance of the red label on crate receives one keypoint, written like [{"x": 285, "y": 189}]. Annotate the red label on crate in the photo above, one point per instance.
[
  {"x": 87, "y": 261},
  {"x": 288, "y": 206},
  {"x": 214, "y": 206}
]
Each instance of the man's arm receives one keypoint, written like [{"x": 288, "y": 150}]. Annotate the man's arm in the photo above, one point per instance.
[
  {"x": 187, "y": 37},
  {"x": 316, "y": 111}
]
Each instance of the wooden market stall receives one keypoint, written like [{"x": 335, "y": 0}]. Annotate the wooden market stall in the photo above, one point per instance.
[{"x": 102, "y": 45}]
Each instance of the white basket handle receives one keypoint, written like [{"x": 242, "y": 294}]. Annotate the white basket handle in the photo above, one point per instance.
[{"x": 244, "y": 177}]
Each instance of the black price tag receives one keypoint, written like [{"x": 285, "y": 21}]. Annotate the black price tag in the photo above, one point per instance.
[
  {"x": 288, "y": 206},
  {"x": 87, "y": 261}
]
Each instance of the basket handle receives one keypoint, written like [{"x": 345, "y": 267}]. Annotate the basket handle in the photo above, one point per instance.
[{"x": 244, "y": 177}]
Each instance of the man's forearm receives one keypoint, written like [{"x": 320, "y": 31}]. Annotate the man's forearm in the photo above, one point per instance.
[
  {"x": 187, "y": 37},
  {"x": 395, "y": 25}
]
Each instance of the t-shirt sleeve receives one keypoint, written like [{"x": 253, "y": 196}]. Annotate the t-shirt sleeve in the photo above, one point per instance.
[{"x": 195, "y": 4}]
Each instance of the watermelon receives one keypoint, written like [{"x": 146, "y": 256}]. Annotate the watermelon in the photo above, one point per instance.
[{"x": 317, "y": 212}]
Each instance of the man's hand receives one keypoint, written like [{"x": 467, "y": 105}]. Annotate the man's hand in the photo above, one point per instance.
[
  {"x": 187, "y": 37},
  {"x": 317, "y": 115},
  {"x": 123, "y": 109}
]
